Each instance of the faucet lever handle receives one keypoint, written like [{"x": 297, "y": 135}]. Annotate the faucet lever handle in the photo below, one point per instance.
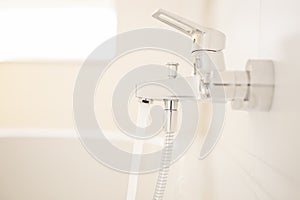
[{"x": 206, "y": 38}]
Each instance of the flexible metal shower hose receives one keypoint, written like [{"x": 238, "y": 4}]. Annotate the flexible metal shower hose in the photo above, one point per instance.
[{"x": 165, "y": 166}]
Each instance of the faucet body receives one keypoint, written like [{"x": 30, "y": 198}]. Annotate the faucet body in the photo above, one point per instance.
[{"x": 247, "y": 90}]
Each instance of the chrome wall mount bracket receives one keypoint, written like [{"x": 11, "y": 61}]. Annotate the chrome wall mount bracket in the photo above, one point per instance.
[{"x": 260, "y": 93}]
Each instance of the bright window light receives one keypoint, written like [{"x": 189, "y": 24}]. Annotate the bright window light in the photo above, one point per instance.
[{"x": 54, "y": 33}]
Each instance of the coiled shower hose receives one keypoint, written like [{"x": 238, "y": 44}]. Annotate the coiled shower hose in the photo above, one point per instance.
[{"x": 171, "y": 109}]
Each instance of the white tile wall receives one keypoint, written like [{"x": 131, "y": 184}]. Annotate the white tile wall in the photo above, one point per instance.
[{"x": 258, "y": 155}]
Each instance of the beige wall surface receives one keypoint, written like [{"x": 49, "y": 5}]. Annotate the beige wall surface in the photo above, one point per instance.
[
  {"x": 38, "y": 94},
  {"x": 36, "y": 105}
]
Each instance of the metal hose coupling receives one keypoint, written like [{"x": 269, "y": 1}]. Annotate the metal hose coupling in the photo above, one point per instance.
[{"x": 171, "y": 115}]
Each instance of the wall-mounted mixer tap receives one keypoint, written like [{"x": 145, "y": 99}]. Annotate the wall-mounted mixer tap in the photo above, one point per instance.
[{"x": 251, "y": 89}]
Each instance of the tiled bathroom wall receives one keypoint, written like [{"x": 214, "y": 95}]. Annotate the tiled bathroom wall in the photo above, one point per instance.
[{"x": 258, "y": 155}]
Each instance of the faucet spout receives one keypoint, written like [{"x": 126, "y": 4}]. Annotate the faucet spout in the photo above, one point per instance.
[{"x": 169, "y": 89}]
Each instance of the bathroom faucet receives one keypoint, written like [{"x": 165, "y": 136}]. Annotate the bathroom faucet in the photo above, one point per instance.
[
  {"x": 251, "y": 89},
  {"x": 207, "y": 46}
]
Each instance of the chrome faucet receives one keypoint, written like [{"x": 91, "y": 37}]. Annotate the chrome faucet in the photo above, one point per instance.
[{"x": 251, "y": 89}]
